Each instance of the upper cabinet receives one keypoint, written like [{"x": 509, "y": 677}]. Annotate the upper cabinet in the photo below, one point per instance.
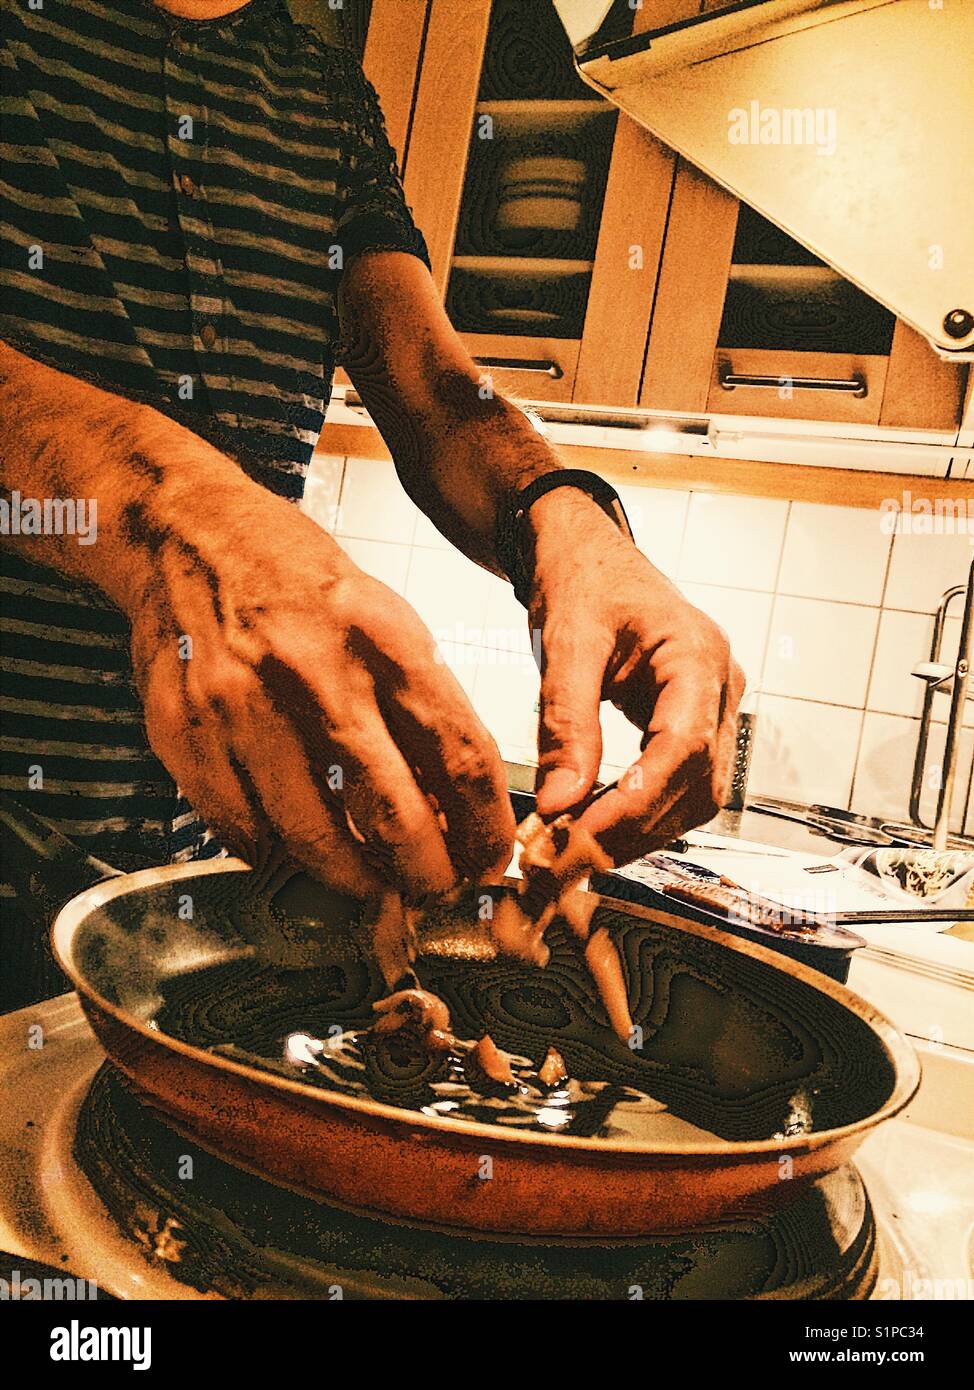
[
  {"x": 388, "y": 37},
  {"x": 544, "y": 209},
  {"x": 584, "y": 263},
  {"x": 746, "y": 321}
]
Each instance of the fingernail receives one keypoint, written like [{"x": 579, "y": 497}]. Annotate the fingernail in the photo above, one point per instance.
[{"x": 559, "y": 790}]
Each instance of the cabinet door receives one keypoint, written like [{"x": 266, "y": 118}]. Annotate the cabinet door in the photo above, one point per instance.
[
  {"x": 390, "y": 37},
  {"x": 747, "y": 322},
  {"x": 922, "y": 392},
  {"x": 630, "y": 243},
  {"x": 508, "y": 173}
]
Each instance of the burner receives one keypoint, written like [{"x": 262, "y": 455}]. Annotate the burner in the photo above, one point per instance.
[{"x": 220, "y": 1230}]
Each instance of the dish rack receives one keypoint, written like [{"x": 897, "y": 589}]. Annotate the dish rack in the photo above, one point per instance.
[{"x": 939, "y": 675}]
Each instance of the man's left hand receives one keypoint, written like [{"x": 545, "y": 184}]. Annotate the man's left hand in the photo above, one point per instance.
[{"x": 614, "y": 628}]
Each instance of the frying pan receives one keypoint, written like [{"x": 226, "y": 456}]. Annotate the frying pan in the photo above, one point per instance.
[{"x": 764, "y": 1073}]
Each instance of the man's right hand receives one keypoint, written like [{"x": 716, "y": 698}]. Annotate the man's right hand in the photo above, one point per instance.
[
  {"x": 298, "y": 703},
  {"x": 308, "y": 709}
]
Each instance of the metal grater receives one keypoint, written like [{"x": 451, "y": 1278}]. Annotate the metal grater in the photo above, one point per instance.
[{"x": 746, "y": 732}]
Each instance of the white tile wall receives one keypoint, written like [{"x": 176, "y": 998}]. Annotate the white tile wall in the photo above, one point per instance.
[
  {"x": 734, "y": 541},
  {"x": 825, "y": 611},
  {"x": 884, "y": 771},
  {"x": 658, "y": 520},
  {"x": 922, "y": 567},
  {"x": 507, "y": 622},
  {"x": 805, "y": 751},
  {"x": 323, "y": 489},
  {"x": 427, "y": 534},
  {"x": 885, "y": 764},
  {"x": 820, "y": 651},
  {"x": 834, "y": 553},
  {"x": 463, "y": 661},
  {"x": 904, "y": 639},
  {"x": 382, "y": 559},
  {"x": 620, "y": 743},
  {"x": 373, "y": 505},
  {"x": 505, "y": 695},
  {"x": 449, "y": 593}
]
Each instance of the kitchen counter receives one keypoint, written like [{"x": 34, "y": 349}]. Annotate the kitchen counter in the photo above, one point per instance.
[
  {"x": 776, "y": 833},
  {"x": 923, "y": 979},
  {"x": 772, "y": 831}
]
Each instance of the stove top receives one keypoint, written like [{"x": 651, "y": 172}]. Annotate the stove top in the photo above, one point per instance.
[{"x": 95, "y": 1184}]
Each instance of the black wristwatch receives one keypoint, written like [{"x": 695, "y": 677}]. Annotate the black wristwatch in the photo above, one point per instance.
[{"x": 514, "y": 550}]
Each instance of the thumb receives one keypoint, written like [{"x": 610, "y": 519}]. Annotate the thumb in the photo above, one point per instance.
[{"x": 574, "y": 659}]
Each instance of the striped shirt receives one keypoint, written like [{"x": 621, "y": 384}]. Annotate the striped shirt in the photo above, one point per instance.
[{"x": 179, "y": 199}]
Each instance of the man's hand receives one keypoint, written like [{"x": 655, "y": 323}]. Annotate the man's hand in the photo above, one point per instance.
[
  {"x": 298, "y": 703},
  {"x": 614, "y": 628},
  {"x": 309, "y": 711}
]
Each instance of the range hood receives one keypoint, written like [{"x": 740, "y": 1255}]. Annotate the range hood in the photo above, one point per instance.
[{"x": 847, "y": 123}]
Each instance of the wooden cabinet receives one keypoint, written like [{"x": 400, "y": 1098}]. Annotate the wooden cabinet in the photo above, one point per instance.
[
  {"x": 543, "y": 209},
  {"x": 584, "y": 263},
  {"x": 747, "y": 322}
]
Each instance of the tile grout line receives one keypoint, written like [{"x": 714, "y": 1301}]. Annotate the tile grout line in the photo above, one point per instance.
[
  {"x": 683, "y": 533},
  {"x": 774, "y": 604},
  {"x": 342, "y": 477}
]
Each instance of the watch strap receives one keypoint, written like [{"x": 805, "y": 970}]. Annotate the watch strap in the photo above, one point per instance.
[{"x": 513, "y": 549}]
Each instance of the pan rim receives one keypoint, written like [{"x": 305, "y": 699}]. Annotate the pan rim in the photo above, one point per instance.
[{"x": 902, "y": 1056}]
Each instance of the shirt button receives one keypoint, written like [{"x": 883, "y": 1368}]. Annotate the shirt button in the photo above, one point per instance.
[
  {"x": 208, "y": 336},
  {"x": 187, "y": 185}
]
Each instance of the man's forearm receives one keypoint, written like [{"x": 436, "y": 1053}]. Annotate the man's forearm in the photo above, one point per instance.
[
  {"x": 461, "y": 450},
  {"x": 469, "y": 470},
  {"x": 65, "y": 440}
]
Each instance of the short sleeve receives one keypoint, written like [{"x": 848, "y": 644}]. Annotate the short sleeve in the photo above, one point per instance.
[
  {"x": 374, "y": 214},
  {"x": 58, "y": 304}
]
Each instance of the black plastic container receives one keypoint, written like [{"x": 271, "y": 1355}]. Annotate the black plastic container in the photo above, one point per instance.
[{"x": 825, "y": 948}]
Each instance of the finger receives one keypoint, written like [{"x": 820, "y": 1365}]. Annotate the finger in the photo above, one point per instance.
[
  {"x": 629, "y": 839},
  {"x": 574, "y": 660},
  {"x": 251, "y": 798},
  {"x": 452, "y": 754},
  {"x": 402, "y": 835},
  {"x": 680, "y": 818},
  {"x": 367, "y": 773},
  {"x": 677, "y": 759},
  {"x": 202, "y": 764},
  {"x": 299, "y": 807}
]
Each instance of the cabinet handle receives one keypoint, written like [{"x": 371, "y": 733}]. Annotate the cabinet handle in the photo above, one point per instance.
[
  {"x": 524, "y": 364},
  {"x": 853, "y": 386}
]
